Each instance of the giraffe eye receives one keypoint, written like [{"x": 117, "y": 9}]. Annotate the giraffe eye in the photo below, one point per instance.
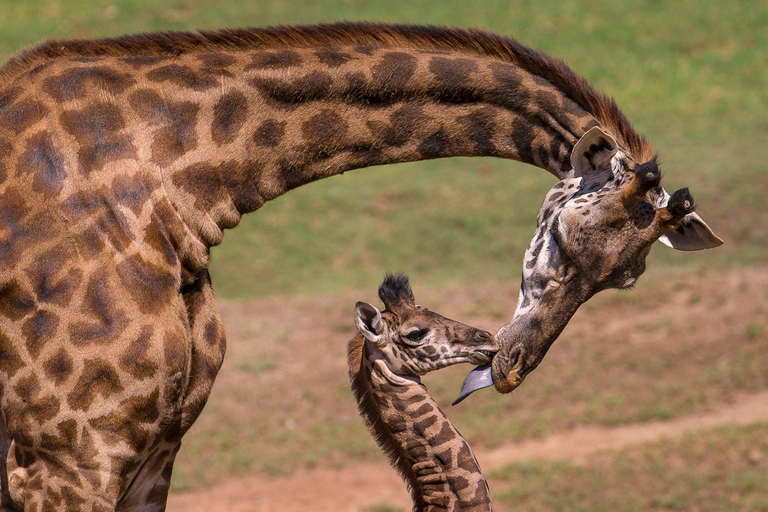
[{"x": 417, "y": 334}]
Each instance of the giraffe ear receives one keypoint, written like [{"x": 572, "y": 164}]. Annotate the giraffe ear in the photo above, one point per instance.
[
  {"x": 692, "y": 234},
  {"x": 368, "y": 322},
  {"x": 592, "y": 153}
]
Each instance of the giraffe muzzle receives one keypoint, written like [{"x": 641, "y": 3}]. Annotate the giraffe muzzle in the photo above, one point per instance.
[
  {"x": 482, "y": 377},
  {"x": 507, "y": 377}
]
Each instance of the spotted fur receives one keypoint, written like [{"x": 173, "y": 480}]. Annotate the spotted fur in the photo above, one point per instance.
[
  {"x": 435, "y": 462},
  {"x": 122, "y": 161}
]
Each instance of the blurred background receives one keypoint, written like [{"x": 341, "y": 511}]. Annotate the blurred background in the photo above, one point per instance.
[{"x": 652, "y": 399}]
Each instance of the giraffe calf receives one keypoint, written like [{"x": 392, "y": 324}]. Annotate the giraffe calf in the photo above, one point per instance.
[{"x": 393, "y": 348}]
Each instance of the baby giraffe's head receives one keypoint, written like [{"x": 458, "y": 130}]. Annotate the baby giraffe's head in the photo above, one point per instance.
[{"x": 413, "y": 340}]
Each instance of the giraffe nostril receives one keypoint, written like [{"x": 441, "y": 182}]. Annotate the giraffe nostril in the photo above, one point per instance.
[{"x": 483, "y": 337}]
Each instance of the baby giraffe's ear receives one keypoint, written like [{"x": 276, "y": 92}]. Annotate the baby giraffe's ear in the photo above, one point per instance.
[{"x": 368, "y": 322}]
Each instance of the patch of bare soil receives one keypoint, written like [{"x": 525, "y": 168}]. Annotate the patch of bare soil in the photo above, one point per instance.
[
  {"x": 734, "y": 298},
  {"x": 363, "y": 486}
]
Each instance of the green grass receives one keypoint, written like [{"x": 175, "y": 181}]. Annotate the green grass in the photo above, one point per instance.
[
  {"x": 689, "y": 74},
  {"x": 715, "y": 470}
]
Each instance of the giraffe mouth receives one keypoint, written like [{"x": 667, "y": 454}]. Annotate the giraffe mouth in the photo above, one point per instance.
[{"x": 484, "y": 356}]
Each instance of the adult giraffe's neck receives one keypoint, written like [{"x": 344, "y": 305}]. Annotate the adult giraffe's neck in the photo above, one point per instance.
[
  {"x": 247, "y": 127},
  {"x": 436, "y": 463}
]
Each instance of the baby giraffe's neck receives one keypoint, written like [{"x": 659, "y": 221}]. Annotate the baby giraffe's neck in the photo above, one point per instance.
[{"x": 436, "y": 463}]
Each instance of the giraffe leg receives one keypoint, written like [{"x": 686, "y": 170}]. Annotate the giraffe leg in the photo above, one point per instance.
[
  {"x": 149, "y": 490},
  {"x": 90, "y": 478},
  {"x": 6, "y": 503},
  {"x": 208, "y": 346},
  {"x": 64, "y": 498},
  {"x": 51, "y": 486}
]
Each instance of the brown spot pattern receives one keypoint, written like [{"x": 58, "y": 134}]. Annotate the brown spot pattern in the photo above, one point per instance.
[
  {"x": 229, "y": 116},
  {"x": 66, "y": 438},
  {"x": 136, "y": 359},
  {"x": 108, "y": 319},
  {"x": 217, "y": 62},
  {"x": 139, "y": 62},
  {"x": 479, "y": 128},
  {"x": 241, "y": 180},
  {"x": 213, "y": 334},
  {"x": 176, "y": 122},
  {"x": 79, "y": 83},
  {"x": 452, "y": 71},
  {"x": 202, "y": 181},
  {"x": 453, "y": 80},
  {"x": 150, "y": 286},
  {"x": 22, "y": 115},
  {"x": 269, "y": 133},
  {"x": 59, "y": 367},
  {"x": 324, "y": 129},
  {"x": 5, "y": 148},
  {"x": 183, "y": 76},
  {"x": 87, "y": 457},
  {"x": 175, "y": 350},
  {"x": 40, "y": 407},
  {"x": 401, "y": 127},
  {"x": 45, "y": 163},
  {"x": 51, "y": 281},
  {"x": 435, "y": 146},
  {"x": 287, "y": 95},
  {"x": 98, "y": 378},
  {"x": 15, "y": 302},
  {"x": 131, "y": 192},
  {"x": 98, "y": 130},
  {"x": 18, "y": 235},
  {"x": 118, "y": 426},
  {"x": 332, "y": 57},
  {"x": 157, "y": 237},
  {"x": 38, "y": 330},
  {"x": 392, "y": 73},
  {"x": 279, "y": 59},
  {"x": 10, "y": 360}
]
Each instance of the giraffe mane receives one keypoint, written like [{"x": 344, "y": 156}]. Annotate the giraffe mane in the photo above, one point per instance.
[
  {"x": 473, "y": 41},
  {"x": 371, "y": 415}
]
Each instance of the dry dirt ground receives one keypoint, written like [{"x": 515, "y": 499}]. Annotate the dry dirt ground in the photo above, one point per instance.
[
  {"x": 359, "y": 486},
  {"x": 362, "y": 486}
]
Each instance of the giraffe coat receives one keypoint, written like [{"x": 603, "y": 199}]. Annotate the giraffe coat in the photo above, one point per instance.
[{"x": 123, "y": 160}]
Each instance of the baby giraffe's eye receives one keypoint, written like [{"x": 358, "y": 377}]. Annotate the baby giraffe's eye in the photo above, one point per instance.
[{"x": 417, "y": 334}]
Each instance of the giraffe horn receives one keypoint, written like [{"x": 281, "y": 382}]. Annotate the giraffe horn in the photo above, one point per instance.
[
  {"x": 647, "y": 176},
  {"x": 679, "y": 205}
]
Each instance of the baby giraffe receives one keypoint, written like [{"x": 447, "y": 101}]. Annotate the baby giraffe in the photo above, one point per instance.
[{"x": 394, "y": 347}]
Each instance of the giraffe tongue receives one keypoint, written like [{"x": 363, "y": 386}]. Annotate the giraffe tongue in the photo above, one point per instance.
[{"x": 478, "y": 378}]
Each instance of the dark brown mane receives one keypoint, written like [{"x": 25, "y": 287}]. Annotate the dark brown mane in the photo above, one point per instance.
[{"x": 507, "y": 49}]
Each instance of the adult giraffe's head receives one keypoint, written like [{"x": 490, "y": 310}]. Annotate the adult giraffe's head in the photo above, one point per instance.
[{"x": 594, "y": 231}]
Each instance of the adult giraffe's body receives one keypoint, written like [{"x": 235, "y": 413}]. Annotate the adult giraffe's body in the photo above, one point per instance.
[{"x": 122, "y": 160}]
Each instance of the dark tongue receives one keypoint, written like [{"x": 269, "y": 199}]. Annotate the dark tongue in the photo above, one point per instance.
[{"x": 478, "y": 378}]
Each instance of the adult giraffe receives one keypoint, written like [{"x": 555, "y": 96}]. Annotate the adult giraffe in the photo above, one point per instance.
[{"x": 122, "y": 160}]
